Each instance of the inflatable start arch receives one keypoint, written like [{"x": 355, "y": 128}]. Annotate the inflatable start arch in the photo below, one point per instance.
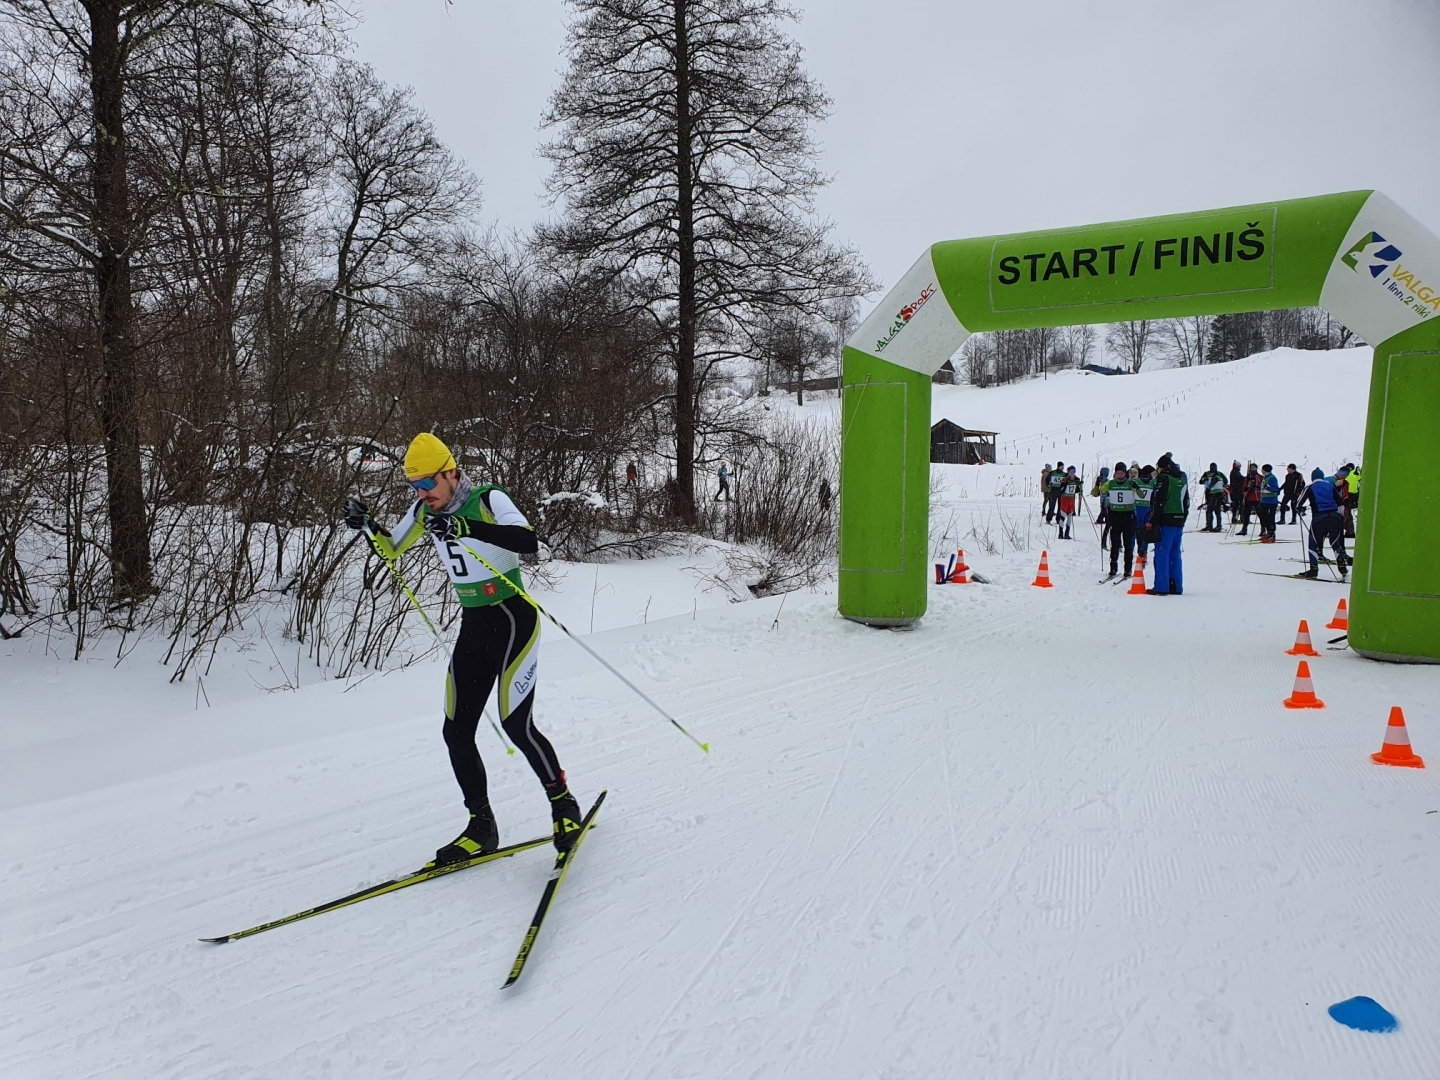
[{"x": 1357, "y": 255}]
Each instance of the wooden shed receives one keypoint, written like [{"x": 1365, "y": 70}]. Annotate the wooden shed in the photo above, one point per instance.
[{"x": 955, "y": 445}]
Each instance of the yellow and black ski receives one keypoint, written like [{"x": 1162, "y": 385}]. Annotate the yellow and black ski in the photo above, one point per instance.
[
  {"x": 562, "y": 866},
  {"x": 426, "y": 874}
]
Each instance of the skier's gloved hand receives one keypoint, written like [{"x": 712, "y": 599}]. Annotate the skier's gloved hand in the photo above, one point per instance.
[
  {"x": 446, "y": 526},
  {"x": 357, "y": 514}
]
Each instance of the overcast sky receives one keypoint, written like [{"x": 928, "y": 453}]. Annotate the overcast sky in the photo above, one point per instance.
[{"x": 957, "y": 118}]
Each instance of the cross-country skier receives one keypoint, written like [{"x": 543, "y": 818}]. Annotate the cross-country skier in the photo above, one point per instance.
[
  {"x": 1327, "y": 523},
  {"x": 1053, "y": 483},
  {"x": 1347, "y": 493},
  {"x": 479, "y": 534},
  {"x": 1144, "y": 490},
  {"x": 1290, "y": 492},
  {"x": 1121, "y": 492},
  {"x": 724, "y": 474},
  {"x": 1171, "y": 507},
  {"x": 1069, "y": 494},
  {"x": 1214, "y": 482},
  {"x": 1251, "y": 505}
]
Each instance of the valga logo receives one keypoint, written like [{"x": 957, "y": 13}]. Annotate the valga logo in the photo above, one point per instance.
[
  {"x": 904, "y": 315},
  {"x": 1386, "y": 254},
  {"x": 1380, "y": 256}
]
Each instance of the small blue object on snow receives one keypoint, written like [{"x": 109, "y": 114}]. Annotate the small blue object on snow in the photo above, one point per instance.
[{"x": 1363, "y": 1014}]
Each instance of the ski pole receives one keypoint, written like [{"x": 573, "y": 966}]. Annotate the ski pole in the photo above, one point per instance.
[
  {"x": 435, "y": 633},
  {"x": 600, "y": 659}
]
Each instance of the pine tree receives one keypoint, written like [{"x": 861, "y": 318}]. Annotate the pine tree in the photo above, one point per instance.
[{"x": 684, "y": 157}]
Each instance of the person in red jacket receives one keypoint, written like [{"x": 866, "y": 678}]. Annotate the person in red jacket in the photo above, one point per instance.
[{"x": 1251, "y": 506}]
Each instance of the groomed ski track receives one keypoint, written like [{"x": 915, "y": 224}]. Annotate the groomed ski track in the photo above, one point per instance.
[{"x": 1050, "y": 833}]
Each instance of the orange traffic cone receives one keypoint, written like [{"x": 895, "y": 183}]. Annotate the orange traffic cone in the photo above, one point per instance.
[
  {"x": 1342, "y": 617},
  {"x": 1042, "y": 579},
  {"x": 1137, "y": 581},
  {"x": 1303, "y": 696},
  {"x": 1302, "y": 642},
  {"x": 960, "y": 575},
  {"x": 1396, "y": 750}
]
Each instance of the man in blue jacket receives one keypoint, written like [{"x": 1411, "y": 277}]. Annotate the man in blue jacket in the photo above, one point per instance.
[
  {"x": 1269, "y": 502},
  {"x": 1327, "y": 524}
]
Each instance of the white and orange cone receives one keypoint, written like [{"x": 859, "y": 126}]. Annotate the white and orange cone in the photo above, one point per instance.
[
  {"x": 961, "y": 574},
  {"x": 1137, "y": 581},
  {"x": 1042, "y": 578},
  {"x": 1302, "y": 645},
  {"x": 1342, "y": 617},
  {"x": 1303, "y": 696},
  {"x": 1396, "y": 750}
]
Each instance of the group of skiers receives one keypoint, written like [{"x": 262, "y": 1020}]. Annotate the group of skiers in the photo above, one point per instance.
[
  {"x": 1140, "y": 505},
  {"x": 1144, "y": 505}
]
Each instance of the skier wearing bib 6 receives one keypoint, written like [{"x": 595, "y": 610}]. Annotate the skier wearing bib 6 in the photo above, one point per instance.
[{"x": 479, "y": 534}]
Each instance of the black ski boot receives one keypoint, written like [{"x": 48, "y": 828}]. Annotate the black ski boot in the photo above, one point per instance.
[
  {"x": 479, "y": 838},
  {"x": 1313, "y": 572},
  {"x": 564, "y": 812},
  {"x": 1343, "y": 565}
]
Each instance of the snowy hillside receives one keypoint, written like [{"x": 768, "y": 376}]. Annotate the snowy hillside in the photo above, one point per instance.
[{"x": 1053, "y": 833}]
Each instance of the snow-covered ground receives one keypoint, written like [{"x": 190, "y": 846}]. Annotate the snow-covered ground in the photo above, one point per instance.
[{"x": 1049, "y": 833}]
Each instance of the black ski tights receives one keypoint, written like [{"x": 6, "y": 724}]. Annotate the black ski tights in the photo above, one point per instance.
[{"x": 495, "y": 642}]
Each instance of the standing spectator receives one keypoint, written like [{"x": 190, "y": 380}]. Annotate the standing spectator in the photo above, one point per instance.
[
  {"x": 1251, "y": 500},
  {"x": 724, "y": 474},
  {"x": 1171, "y": 507},
  {"x": 631, "y": 474},
  {"x": 824, "y": 495},
  {"x": 1269, "y": 501},
  {"x": 1045, "y": 500},
  {"x": 1237, "y": 492},
  {"x": 1291, "y": 491},
  {"x": 1213, "y": 481},
  {"x": 1121, "y": 491}
]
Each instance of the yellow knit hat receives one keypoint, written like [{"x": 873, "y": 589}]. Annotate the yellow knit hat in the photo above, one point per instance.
[{"x": 427, "y": 456}]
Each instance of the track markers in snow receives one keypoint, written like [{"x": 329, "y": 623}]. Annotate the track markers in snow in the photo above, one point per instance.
[
  {"x": 1302, "y": 646},
  {"x": 1342, "y": 617},
  {"x": 1396, "y": 748},
  {"x": 1363, "y": 1014},
  {"x": 1303, "y": 696},
  {"x": 1042, "y": 577}
]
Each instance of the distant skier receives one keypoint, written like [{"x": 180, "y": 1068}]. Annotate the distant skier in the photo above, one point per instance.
[
  {"x": 1069, "y": 495},
  {"x": 1144, "y": 490},
  {"x": 1097, "y": 491},
  {"x": 823, "y": 494},
  {"x": 1269, "y": 502},
  {"x": 631, "y": 474},
  {"x": 1237, "y": 492},
  {"x": 1291, "y": 490},
  {"x": 1326, "y": 524},
  {"x": 1171, "y": 506},
  {"x": 724, "y": 474},
  {"x": 1054, "y": 481},
  {"x": 1213, "y": 480},
  {"x": 1251, "y": 507},
  {"x": 1347, "y": 492},
  {"x": 499, "y": 630},
  {"x": 1120, "y": 490}
]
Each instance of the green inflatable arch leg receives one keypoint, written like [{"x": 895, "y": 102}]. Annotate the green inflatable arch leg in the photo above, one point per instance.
[{"x": 1356, "y": 254}]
